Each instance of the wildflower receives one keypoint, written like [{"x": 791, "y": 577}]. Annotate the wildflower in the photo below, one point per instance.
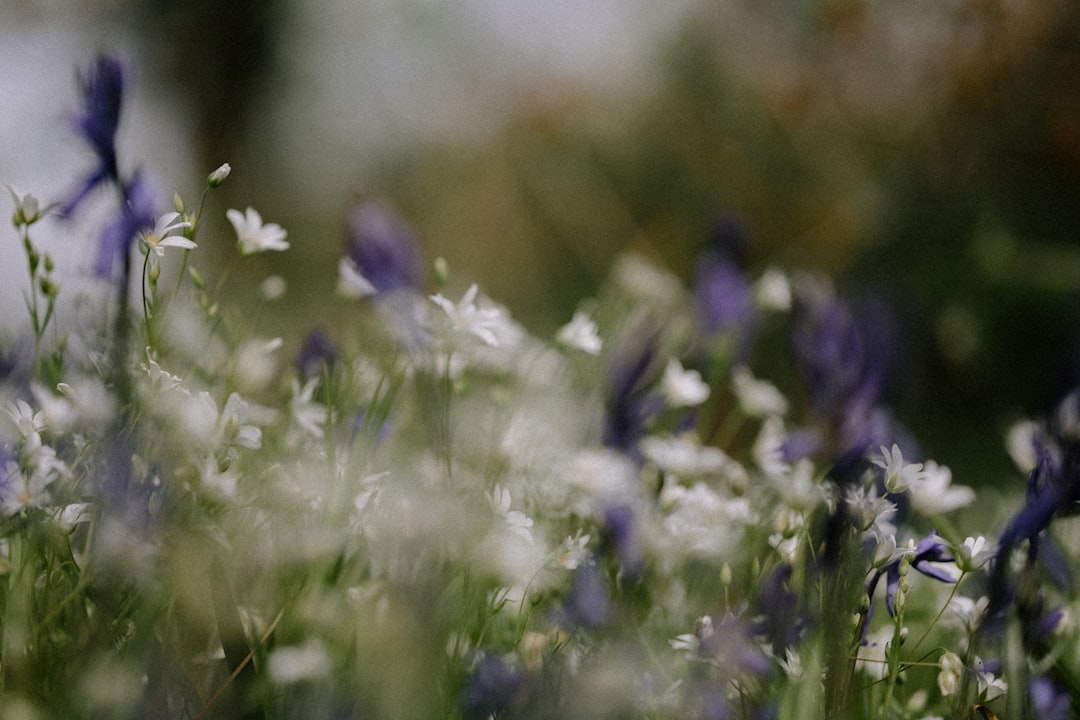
[
  {"x": 932, "y": 492},
  {"x": 102, "y": 90},
  {"x": 28, "y": 210},
  {"x": 296, "y": 663},
  {"x": 587, "y": 605},
  {"x": 158, "y": 238},
  {"x": 217, "y": 177},
  {"x": 990, "y": 686},
  {"x": 517, "y": 521},
  {"x": 772, "y": 291},
  {"x": 136, "y": 215},
  {"x": 159, "y": 379},
  {"x": 930, "y": 556},
  {"x": 757, "y": 398},
  {"x": 1049, "y": 701},
  {"x": 493, "y": 689},
  {"x": 952, "y": 670},
  {"x": 898, "y": 474},
  {"x": 28, "y": 423},
  {"x": 307, "y": 414},
  {"x": 723, "y": 296},
  {"x": 682, "y": 387},
  {"x": 467, "y": 317},
  {"x": 974, "y": 553},
  {"x": 580, "y": 334},
  {"x": 632, "y": 369},
  {"x": 255, "y": 236},
  {"x": 383, "y": 253},
  {"x": 317, "y": 353},
  {"x": 572, "y": 551}
]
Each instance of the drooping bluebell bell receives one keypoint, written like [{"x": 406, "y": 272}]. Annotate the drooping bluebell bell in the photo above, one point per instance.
[
  {"x": 492, "y": 690},
  {"x": 634, "y": 366},
  {"x": 588, "y": 604},
  {"x": 1048, "y": 700},
  {"x": 316, "y": 353},
  {"x": 136, "y": 215},
  {"x": 723, "y": 294},
  {"x": 383, "y": 248},
  {"x": 928, "y": 551},
  {"x": 845, "y": 359},
  {"x": 101, "y": 89}
]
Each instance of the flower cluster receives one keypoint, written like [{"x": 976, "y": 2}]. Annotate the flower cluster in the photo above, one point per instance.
[{"x": 429, "y": 511}]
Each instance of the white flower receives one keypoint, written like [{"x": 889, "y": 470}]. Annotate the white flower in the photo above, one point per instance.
[
  {"x": 158, "y": 238},
  {"x": 295, "y": 663},
  {"x": 682, "y": 387},
  {"x": 974, "y": 554},
  {"x": 467, "y": 317},
  {"x": 758, "y": 398},
  {"x": 27, "y": 422},
  {"x": 572, "y": 551},
  {"x": 159, "y": 379},
  {"x": 952, "y": 669},
  {"x": 932, "y": 493},
  {"x": 255, "y": 236},
  {"x": 306, "y": 413},
  {"x": 351, "y": 283},
  {"x": 990, "y": 687},
  {"x": 580, "y": 334},
  {"x": 898, "y": 474},
  {"x": 772, "y": 291},
  {"x": 516, "y": 521},
  {"x": 28, "y": 210}
]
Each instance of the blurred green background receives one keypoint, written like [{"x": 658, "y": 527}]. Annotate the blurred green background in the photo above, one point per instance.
[{"x": 924, "y": 152}]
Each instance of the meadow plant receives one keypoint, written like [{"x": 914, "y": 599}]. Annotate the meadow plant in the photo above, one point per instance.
[{"x": 432, "y": 513}]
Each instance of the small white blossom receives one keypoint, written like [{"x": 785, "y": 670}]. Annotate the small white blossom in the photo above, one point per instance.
[
  {"x": 466, "y": 317},
  {"x": 158, "y": 237},
  {"x": 296, "y": 663},
  {"x": 974, "y": 553},
  {"x": 572, "y": 551},
  {"x": 580, "y": 334},
  {"x": 160, "y": 379},
  {"x": 351, "y": 283},
  {"x": 217, "y": 177},
  {"x": 517, "y": 521},
  {"x": 757, "y": 398},
  {"x": 307, "y": 414},
  {"x": 27, "y": 422},
  {"x": 932, "y": 491},
  {"x": 682, "y": 387},
  {"x": 254, "y": 235},
  {"x": 772, "y": 291},
  {"x": 898, "y": 474},
  {"x": 990, "y": 686}
]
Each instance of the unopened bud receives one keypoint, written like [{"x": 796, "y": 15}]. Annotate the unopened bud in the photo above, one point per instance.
[
  {"x": 178, "y": 203},
  {"x": 218, "y": 176}
]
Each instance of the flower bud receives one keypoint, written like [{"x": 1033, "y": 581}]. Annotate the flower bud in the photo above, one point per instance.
[{"x": 218, "y": 176}]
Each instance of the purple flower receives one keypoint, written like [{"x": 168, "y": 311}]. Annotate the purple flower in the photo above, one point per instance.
[
  {"x": 622, "y": 539},
  {"x": 316, "y": 353},
  {"x": 101, "y": 88},
  {"x": 492, "y": 689},
  {"x": 928, "y": 551},
  {"x": 723, "y": 300},
  {"x": 137, "y": 214},
  {"x": 383, "y": 249},
  {"x": 1048, "y": 700},
  {"x": 635, "y": 365},
  {"x": 587, "y": 605}
]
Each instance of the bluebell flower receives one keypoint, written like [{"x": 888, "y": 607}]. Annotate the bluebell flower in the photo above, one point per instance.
[
  {"x": 635, "y": 364},
  {"x": 316, "y": 353},
  {"x": 928, "y": 551},
  {"x": 383, "y": 252},
  {"x": 587, "y": 605},
  {"x": 781, "y": 621},
  {"x": 724, "y": 300},
  {"x": 101, "y": 88},
  {"x": 136, "y": 215},
  {"x": 621, "y": 538},
  {"x": 493, "y": 689},
  {"x": 1049, "y": 701},
  {"x": 845, "y": 360}
]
